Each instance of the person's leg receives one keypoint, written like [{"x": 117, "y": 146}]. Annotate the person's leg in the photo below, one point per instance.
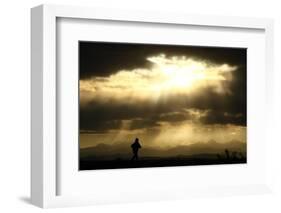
[{"x": 134, "y": 156}]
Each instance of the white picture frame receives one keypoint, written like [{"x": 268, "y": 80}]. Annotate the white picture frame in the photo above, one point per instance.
[{"x": 44, "y": 149}]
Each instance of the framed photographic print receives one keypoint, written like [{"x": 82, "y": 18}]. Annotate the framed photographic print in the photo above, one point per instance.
[{"x": 149, "y": 105}]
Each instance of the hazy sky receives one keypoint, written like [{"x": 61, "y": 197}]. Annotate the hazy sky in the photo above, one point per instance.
[{"x": 165, "y": 95}]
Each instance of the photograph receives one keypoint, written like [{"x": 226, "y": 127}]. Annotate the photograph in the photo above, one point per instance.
[{"x": 161, "y": 105}]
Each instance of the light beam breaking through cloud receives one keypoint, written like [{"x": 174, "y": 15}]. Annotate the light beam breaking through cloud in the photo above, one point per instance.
[{"x": 167, "y": 76}]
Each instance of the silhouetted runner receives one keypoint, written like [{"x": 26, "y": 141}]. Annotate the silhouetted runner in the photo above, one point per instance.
[{"x": 135, "y": 148}]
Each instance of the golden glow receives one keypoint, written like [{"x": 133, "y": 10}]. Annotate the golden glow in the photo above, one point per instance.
[
  {"x": 183, "y": 133},
  {"x": 182, "y": 73},
  {"x": 167, "y": 76}
]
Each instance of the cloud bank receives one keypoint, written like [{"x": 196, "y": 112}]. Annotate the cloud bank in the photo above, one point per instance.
[{"x": 165, "y": 78}]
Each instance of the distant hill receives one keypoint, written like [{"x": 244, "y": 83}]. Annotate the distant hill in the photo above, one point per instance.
[{"x": 123, "y": 151}]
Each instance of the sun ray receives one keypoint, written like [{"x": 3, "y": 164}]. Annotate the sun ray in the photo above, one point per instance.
[{"x": 166, "y": 76}]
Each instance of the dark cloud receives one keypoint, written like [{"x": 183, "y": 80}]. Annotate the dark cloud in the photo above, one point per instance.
[
  {"x": 105, "y": 58},
  {"x": 143, "y": 123},
  {"x": 219, "y": 117},
  {"x": 98, "y": 125},
  {"x": 174, "y": 117},
  {"x": 222, "y": 110}
]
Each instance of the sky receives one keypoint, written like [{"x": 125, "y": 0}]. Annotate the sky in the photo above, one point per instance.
[{"x": 166, "y": 95}]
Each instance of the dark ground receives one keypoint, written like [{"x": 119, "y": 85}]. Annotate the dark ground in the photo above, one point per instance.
[{"x": 89, "y": 163}]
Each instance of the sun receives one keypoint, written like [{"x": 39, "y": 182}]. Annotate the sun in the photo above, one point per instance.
[
  {"x": 182, "y": 76},
  {"x": 181, "y": 73}
]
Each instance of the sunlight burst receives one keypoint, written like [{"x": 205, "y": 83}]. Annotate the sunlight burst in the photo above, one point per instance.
[
  {"x": 183, "y": 73},
  {"x": 166, "y": 76}
]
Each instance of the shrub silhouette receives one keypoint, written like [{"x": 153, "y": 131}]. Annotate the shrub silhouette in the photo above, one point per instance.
[{"x": 229, "y": 156}]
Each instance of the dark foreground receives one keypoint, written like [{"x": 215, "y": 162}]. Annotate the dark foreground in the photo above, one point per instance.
[{"x": 92, "y": 164}]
